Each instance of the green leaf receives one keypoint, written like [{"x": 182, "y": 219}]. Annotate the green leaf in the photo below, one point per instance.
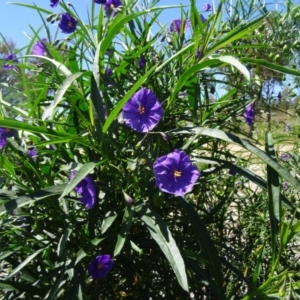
[
  {"x": 162, "y": 235},
  {"x": 251, "y": 176},
  {"x": 271, "y": 66},
  {"x": 83, "y": 252},
  {"x": 208, "y": 249},
  {"x": 55, "y": 287},
  {"x": 81, "y": 173},
  {"x": 62, "y": 241},
  {"x": 8, "y": 253},
  {"x": 108, "y": 221},
  {"x": 32, "y": 128},
  {"x": 193, "y": 262},
  {"x": 236, "y": 63},
  {"x": 273, "y": 195},
  {"x": 125, "y": 227},
  {"x": 31, "y": 198},
  {"x": 21, "y": 287},
  {"x": 24, "y": 263},
  {"x": 258, "y": 265},
  {"x": 192, "y": 71},
  {"x": 196, "y": 132},
  {"x": 7, "y": 165},
  {"x": 50, "y": 110},
  {"x": 121, "y": 20}
]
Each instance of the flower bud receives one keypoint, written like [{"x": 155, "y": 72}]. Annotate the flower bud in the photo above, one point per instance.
[
  {"x": 50, "y": 17},
  {"x": 128, "y": 199}
]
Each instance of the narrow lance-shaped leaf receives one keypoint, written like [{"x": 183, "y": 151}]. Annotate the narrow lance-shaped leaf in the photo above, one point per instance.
[
  {"x": 125, "y": 227},
  {"x": 24, "y": 263},
  {"x": 162, "y": 235},
  {"x": 49, "y": 112},
  {"x": 208, "y": 249},
  {"x": 236, "y": 63},
  {"x": 230, "y": 138},
  {"x": 274, "y": 197},
  {"x": 27, "y": 200}
]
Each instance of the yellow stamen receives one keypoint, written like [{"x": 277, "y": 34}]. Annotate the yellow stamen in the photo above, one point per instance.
[
  {"x": 112, "y": 6},
  {"x": 70, "y": 24},
  {"x": 177, "y": 174},
  {"x": 100, "y": 266},
  {"x": 141, "y": 109}
]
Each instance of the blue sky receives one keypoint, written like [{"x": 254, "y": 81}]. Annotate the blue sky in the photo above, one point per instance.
[{"x": 15, "y": 20}]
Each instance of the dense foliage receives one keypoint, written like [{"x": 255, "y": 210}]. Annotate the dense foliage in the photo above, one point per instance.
[{"x": 118, "y": 173}]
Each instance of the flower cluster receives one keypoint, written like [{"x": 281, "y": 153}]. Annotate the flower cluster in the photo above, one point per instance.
[
  {"x": 100, "y": 266},
  {"x": 5, "y": 133},
  {"x": 174, "y": 173},
  {"x": 249, "y": 115},
  {"x": 87, "y": 189}
]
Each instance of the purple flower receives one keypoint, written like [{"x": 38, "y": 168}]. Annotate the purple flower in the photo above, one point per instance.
[
  {"x": 108, "y": 72},
  {"x": 142, "y": 112},
  {"x": 67, "y": 23},
  {"x": 285, "y": 156},
  {"x": 6, "y": 132},
  {"x": 100, "y": 1},
  {"x": 175, "y": 26},
  {"x": 3, "y": 142},
  {"x": 249, "y": 115},
  {"x": 100, "y": 266},
  {"x": 33, "y": 153},
  {"x": 231, "y": 172},
  {"x": 287, "y": 127},
  {"x": 54, "y": 3},
  {"x": 87, "y": 189},
  {"x": 286, "y": 186},
  {"x": 104, "y": 112},
  {"x": 39, "y": 48},
  {"x": 203, "y": 19},
  {"x": 175, "y": 174},
  {"x": 198, "y": 53},
  {"x": 206, "y": 7},
  {"x": 142, "y": 62},
  {"x": 108, "y": 80},
  {"x": 110, "y": 5},
  {"x": 279, "y": 96},
  {"x": 11, "y": 58}
]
